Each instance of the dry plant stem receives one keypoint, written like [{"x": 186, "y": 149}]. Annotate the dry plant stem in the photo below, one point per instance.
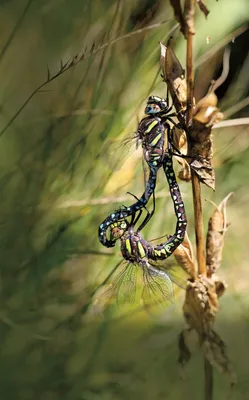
[
  {"x": 199, "y": 229},
  {"x": 208, "y": 380},
  {"x": 190, "y": 69}
]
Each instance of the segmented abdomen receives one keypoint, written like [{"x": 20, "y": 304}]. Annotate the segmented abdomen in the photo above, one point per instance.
[
  {"x": 151, "y": 132},
  {"x": 164, "y": 250}
]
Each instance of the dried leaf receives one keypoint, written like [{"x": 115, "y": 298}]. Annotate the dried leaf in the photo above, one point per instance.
[
  {"x": 206, "y": 114},
  {"x": 217, "y": 226},
  {"x": 184, "y": 352},
  {"x": 176, "y": 4},
  {"x": 215, "y": 351},
  {"x": 174, "y": 76},
  {"x": 203, "y": 8},
  {"x": 184, "y": 257},
  {"x": 204, "y": 170}
]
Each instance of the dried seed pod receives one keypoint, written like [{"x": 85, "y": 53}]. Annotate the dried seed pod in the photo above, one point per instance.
[
  {"x": 217, "y": 226},
  {"x": 185, "y": 173},
  {"x": 206, "y": 111},
  {"x": 200, "y": 309},
  {"x": 179, "y": 140},
  {"x": 201, "y": 304},
  {"x": 174, "y": 76},
  {"x": 184, "y": 257}
]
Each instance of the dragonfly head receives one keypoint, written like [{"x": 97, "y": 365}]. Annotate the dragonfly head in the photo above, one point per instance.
[
  {"x": 155, "y": 105},
  {"x": 118, "y": 229}
]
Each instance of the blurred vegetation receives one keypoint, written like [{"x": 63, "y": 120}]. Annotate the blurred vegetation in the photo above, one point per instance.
[{"x": 58, "y": 184}]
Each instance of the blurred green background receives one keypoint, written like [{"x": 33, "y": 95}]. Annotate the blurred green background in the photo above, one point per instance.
[{"x": 61, "y": 174}]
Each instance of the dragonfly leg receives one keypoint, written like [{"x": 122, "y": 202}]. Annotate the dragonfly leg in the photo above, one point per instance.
[
  {"x": 135, "y": 218},
  {"x": 138, "y": 200},
  {"x": 149, "y": 215}
]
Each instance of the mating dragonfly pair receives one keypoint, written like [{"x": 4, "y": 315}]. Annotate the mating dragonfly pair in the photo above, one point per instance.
[{"x": 136, "y": 251}]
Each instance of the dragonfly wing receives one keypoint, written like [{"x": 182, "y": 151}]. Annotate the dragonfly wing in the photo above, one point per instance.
[
  {"x": 126, "y": 286},
  {"x": 175, "y": 272},
  {"x": 106, "y": 293},
  {"x": 115, "y": 152},
  {"x": 158, "y": 288}
]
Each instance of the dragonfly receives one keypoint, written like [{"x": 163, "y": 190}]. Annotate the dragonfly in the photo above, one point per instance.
[
  {"x": 141, "y": 254},
  {"x": 151, "y": 133}
]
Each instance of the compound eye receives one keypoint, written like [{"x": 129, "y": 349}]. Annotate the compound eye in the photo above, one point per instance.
[
  {"x": 123, "y": 225},
  {"x": 152, "y": 108},
  {"x": 163, "y": 104}
]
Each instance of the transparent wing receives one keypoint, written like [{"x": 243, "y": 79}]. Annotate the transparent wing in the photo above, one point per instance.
[
  {"x": 115, "y": 152},
  {"x": 121, "y": 291},
  {"x": 126, "y": 286},
  {"x": 158, "y": 288},
  {"x": 177, "y": 275},
  {"x": 105, "y": 294}
]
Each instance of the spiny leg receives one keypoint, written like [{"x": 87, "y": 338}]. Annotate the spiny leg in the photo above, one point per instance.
[
  {"x": 149, "y": 215},
  {"x": 135, "y": 217},
  {"x": 137, "y": 200}
]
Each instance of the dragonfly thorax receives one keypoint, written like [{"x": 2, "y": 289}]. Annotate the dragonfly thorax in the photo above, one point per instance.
[{"x": 133, "y": 247}]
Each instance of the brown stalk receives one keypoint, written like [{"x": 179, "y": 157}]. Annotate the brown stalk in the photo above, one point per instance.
[{"x": 196, "y": 188}]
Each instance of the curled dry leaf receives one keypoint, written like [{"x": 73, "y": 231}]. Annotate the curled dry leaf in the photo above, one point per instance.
[
  {"x": 215, "y": 351},
  {"x": 184, "y": 352},
  {"x": 217, "y": 226},
  {"x": 206, "y": 114},
  {"x": 174, "y": 75},
  {"x": 206, "y": 110},
  {"x": 203, "y": 8},
  {"x": 201, "y": 304},
  {"x": 200, "y": 309},
  {"x": 184, "y": 257},
  {"x": 176, "y": 5},
  {"x": 204, "y": 170}
]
